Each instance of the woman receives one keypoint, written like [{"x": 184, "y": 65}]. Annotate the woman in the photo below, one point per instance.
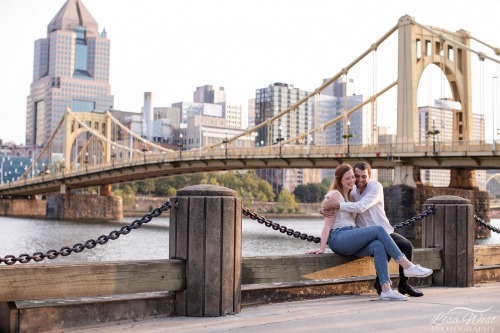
[{"x": 344, "y": 237}]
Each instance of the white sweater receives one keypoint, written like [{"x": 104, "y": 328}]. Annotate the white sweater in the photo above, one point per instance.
[{"x": 369, "y": 206}]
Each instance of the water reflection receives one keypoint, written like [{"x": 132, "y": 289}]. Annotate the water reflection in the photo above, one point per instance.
[
  {"x": 30, "y": 235},
  {"x": 151, "y": 241}
]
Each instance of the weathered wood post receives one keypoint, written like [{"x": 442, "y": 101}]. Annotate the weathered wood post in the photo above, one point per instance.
[
  {"x": 205, "y": 230},
  {"x": 451, "y": 229}
]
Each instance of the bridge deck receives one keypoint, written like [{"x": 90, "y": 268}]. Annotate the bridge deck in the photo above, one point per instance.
[{"x": 351, "y": 313}]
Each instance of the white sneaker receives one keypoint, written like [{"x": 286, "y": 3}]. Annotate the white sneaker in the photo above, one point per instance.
[
  {"x": 392, "y": 295},
  {"x": 417, "y": 271}
]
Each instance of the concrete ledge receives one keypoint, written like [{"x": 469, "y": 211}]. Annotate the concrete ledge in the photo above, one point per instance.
[
  {"x": 58, "y": 315},
  {"x": 258, "y": 270},
  {"x": 489, "y": 273},
  {"x": 265, "y": 293}
]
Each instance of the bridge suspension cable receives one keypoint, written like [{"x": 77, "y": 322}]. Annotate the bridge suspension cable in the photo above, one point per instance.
[
  {"x": 318, "y": 90},
  {"x": 495, "y": 49},
  {"x": 99, "y": 135},
  {"x": 138, "y": 137},
  {"x": 342, "y": 116},
  {"x": 481, "y": 55},
  {"x": 44, "y": 149},
  {"x": 374, "y": 108},
  {"x": 95, "y": 134}
]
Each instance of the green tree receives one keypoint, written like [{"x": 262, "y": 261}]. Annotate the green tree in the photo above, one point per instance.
[
  {"x": 161, "y": 187},
  {"x": 266, "y": 191},
  {"x": 286, "y": 202},
  {"x": 146, "y": 186},
  {"x": 246, "y": 196},
  {"x": 301, "y": 193},
  {"x": 310, "y": 193},
  {"x": 386, "y": 183},
  {"x": 127, "y": 193},
  {"x": 171, "y": 192},
  {"x": 247, "y": 184}
]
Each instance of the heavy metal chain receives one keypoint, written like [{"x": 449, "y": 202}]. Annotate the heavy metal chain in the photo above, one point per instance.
[
  {"x": 419, "y": 217},
  {"x": 298, "y": 234},
  {"x": 281, "y": 228},
  {"x": 487, "y": 225},
  {"x": 90, "y": 244}
]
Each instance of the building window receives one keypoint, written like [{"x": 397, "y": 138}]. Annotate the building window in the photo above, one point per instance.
[{"x": 82, "y": 106}]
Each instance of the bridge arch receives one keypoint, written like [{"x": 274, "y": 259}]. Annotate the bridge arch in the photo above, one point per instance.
[
  {"x": 100, "y": 123},
  {"x": 495, "y": 176},
  {"x": 418, "y": 47}
]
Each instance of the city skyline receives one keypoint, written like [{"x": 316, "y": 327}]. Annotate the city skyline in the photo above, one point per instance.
[{"x": 230, "y": 44}]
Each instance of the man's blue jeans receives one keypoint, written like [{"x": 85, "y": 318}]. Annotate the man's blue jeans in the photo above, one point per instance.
[{"x": 366, "y": 241}]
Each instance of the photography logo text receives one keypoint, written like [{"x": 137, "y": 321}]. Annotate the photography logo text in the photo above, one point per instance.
[{"x": 461, "y": 319}]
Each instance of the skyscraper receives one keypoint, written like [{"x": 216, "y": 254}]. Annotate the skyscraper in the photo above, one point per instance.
[
  {"x": 275, "y": 98},
  {"x": 357, "y": 129},
  {"x": 209, "y": 94},
  {"x": 234, "y": 114},
  {"x": 71, "y": 68},
  {"x": 269, "y": 102},
  {"x": 438, "y": 119}
]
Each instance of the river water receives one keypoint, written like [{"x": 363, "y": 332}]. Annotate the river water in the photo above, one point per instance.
[{"x": 21, "y": 235}]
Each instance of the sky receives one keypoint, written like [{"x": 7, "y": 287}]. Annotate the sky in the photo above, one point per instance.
[{"x": 171, "y": 47}]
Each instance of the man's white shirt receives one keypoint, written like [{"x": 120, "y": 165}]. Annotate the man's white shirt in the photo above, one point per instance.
[{"x": 369, "y": 206}]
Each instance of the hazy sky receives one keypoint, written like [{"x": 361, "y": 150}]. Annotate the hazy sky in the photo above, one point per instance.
[{"x": 172, "y": 47}]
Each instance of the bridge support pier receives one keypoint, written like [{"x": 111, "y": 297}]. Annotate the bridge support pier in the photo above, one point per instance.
[
  {"x": 463, "y": 178},
  {"x": 105, "y": 190},
  {"x": 205, "y": 231},
  {"x": 404, "y": 175},
  {"x": 451, "y": 229},
  {"x": 403, "y": 202},
  {"x": 32, "y": 208},
  {"x": 84, "y": 207}
]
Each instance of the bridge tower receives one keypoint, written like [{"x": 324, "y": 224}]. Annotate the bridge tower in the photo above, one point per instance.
[
  {"x": 418, "y": 47},
  {"x": 96, "y": 122}
]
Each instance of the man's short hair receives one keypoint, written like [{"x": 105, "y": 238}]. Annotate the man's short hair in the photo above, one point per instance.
[{"x": 363, "y": 166}]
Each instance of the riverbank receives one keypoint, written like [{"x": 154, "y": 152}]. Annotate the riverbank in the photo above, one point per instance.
[
  {"x": 286, "y": 216},
  {"x": 145, "y": 205}
]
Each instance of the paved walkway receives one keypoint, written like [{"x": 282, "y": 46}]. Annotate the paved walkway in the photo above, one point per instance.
[{"x": 442, "y": 309}]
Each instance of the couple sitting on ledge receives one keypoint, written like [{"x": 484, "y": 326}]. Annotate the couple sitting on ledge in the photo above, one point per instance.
[{"x": 356, "y": 224}]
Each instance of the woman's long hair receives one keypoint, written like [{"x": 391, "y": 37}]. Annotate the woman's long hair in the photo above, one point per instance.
[{"x": 337, "y": 182}]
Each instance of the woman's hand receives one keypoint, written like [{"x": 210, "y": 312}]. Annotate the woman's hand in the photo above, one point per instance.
[
  {"x": 319, "y": 251},
  {"x": 329, "y": 207},
  {"x": 328, "y": 212}
]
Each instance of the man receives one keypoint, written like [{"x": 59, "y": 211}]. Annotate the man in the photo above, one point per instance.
[{"x": 369, "y": 205}]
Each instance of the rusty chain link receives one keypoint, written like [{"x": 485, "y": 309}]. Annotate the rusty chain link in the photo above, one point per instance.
[
  {"x": 281, "y": 228},
  {"x": 487, "y": 225},
  {"x": 91, "y": 243},
  {"x": 419, "y": 217}
]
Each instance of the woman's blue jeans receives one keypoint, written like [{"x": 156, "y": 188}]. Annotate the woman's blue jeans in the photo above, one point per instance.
[{"x": 366, "y": 241}]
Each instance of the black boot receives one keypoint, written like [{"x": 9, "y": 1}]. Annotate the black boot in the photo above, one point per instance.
[
  {"x": 407, "y": 289},
  {"x": 377, "y": 286}
]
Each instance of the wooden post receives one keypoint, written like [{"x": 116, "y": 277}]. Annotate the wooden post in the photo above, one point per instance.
[
  {"x": 451, "y": 229},
  {"x": 205, "y": 231}
]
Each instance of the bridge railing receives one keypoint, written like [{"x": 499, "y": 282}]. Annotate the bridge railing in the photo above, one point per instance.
[{"x": 391, "y": 150}]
